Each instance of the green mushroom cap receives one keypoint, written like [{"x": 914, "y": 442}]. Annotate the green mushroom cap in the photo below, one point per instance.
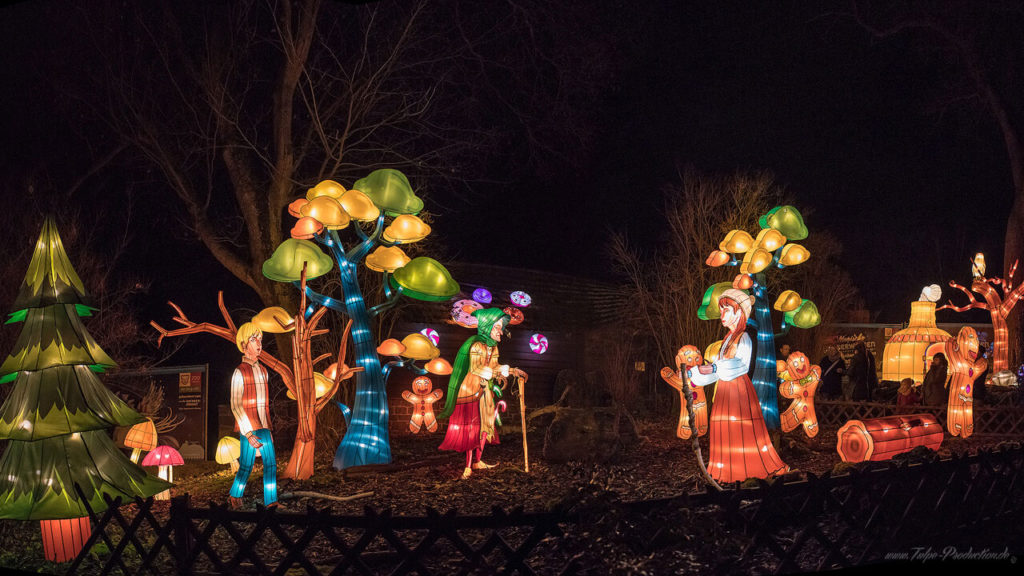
[
  {"x": 425, "y": 279},
  {"x": 391, "y": 192},
  {"x": 785, "y": 219},
  {"x": 709, "y": 305},
  {"x": 286, "y": 263},
  {"x": 805, "y": 316}
]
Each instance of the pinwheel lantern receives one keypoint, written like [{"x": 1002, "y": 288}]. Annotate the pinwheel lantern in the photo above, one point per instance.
[
  {"x": 539, "y": 343},
  {"x": 431, "y": 335}
]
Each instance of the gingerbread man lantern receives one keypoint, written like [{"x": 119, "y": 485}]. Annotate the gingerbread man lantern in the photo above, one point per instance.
[
  {"x": 965, "y": 367},
  {"x": 688, "y": 356},
  {"x": 422, "y": 399},
  {"x": 799, "y": 382}
]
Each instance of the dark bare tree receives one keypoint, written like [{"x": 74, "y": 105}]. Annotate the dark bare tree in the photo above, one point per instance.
[{"x": 976, "y": 47}]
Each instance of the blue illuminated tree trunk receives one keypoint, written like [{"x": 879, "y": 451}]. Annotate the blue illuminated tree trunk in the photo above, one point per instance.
[
  {"x": 765, "y": 378},
  {"x": 366, "y": 441},
  {"x": 328, "y": 207}
]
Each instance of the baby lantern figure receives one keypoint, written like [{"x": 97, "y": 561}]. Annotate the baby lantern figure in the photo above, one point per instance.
[
  {"x": 740, "y": 445},
  {"x": 473, "y": 391},
  {"x": 422, "y": 400},
  {"x": 688, "y": 357},
  {"x": 250, "y": 404},
  {"x": 799, "y": 382}
]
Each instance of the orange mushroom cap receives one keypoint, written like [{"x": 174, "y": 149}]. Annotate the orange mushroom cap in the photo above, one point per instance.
[
  {"x": 391, "y": 347},
  {"x": 141, "y": 436},
  {"x": 439, "y": 366},
  {"x": 306, "y": 228}
]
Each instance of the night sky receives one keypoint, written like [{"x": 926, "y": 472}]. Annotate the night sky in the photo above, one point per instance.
[{"x": 847, "y": 124}]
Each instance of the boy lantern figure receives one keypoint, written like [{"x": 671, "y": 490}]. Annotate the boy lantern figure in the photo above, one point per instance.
[
  {"x": 473, "y": 391},
  {"x": 250, "y": 403},
  {"x": 422, "y": 400}
]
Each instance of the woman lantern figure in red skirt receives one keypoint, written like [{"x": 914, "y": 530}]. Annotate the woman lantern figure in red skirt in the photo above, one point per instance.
[
  {"x": 740, "y": 445},
  {"x": 474, "y": 394}
]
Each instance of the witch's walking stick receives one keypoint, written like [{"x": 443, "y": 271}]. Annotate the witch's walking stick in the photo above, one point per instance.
[{"x": 522, "y": 416}]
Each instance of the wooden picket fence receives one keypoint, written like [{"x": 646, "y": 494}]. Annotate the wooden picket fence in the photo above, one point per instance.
[
  {"x": 790, "y": 525},
  {"x": 1005, "y": 421}
]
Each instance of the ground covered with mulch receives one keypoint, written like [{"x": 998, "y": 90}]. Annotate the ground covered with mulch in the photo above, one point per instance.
[{"x": 658, "y": 465}]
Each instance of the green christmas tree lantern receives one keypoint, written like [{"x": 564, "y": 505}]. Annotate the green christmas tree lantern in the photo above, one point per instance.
[{"x": 61, "y": 455}]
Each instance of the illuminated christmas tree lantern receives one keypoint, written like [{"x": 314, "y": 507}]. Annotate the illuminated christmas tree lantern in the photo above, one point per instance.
[
  {"x": 63, "y": 539},
  {"x": 882, "y": 438},
  {"x": 60, "y": 463},
  {"x": 905, "y": 354}
]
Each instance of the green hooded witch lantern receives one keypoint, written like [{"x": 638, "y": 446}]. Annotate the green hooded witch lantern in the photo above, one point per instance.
[{"x": 474, "y": 391}]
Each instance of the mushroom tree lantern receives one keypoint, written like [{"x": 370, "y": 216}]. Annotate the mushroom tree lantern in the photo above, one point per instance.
[
  {"x": 165, "y": 458},
  {"x": 382, "y": 211},
  {"x": 773, "y": 247},
  {"x": 60, "y": 461}
]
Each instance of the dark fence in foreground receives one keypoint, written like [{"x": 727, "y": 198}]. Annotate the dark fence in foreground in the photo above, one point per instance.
[{"x": 790, "y": 525}]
